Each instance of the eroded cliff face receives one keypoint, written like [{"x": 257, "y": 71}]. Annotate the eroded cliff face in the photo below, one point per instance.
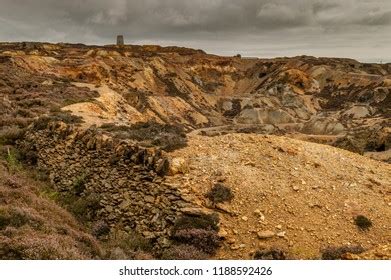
[{"x": 319, "y": 99}]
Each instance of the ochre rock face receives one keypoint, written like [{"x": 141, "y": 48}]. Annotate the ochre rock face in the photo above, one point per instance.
[
  {"x": 328, "y": 100},
  {"x": 187, "y": 86},
  {"x": 292, "y": 194}
]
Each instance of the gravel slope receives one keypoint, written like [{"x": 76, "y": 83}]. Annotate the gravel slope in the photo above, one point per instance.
[{"x": 306, "y": 194}]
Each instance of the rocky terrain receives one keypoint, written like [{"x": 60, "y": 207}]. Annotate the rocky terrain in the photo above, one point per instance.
[
  {"x": 334, "y": 101},
  {"x": 289, "y": 194},
  {"x": 138, "y": 136}
]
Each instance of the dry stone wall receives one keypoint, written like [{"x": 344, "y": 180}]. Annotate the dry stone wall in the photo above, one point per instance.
[{"x": 127, "y": 179}]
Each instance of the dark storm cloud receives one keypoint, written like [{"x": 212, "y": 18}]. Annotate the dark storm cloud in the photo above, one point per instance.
[{"x": 252, "y": 27}]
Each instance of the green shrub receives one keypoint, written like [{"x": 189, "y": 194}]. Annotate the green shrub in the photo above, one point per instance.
[
  {"x": 79, "y": 184},
  {"x": 84, "y": 208},
  {"x": 220, "y": 193},
  {"x": 362, "y": 222},
  {"x": 50, "y": 194},
  {"x": 13, "y": 163},
  {"x": 79, "y": 207}
]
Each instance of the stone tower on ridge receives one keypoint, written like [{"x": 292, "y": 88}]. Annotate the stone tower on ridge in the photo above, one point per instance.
[{"x": 120, "y": 40}]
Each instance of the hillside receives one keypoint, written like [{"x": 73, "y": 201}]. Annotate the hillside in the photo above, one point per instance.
[
  {"x": 304, "y": 195},
  {"x": 139, "y": 136}
]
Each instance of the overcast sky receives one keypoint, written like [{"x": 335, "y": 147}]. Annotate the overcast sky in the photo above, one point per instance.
[{"x": 359, "y": 29}]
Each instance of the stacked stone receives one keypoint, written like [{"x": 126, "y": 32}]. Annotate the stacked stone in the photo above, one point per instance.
[{"x": 128, "y": 179}]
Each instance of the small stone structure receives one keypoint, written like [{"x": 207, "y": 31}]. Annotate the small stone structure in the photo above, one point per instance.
[{"x": 120, "y": 40}]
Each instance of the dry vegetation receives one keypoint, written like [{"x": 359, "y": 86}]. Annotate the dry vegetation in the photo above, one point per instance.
[
  {"x": 25, "y": 97},
  {"x": 33, "y": 226},
  {"x": 151, "y": 134}
]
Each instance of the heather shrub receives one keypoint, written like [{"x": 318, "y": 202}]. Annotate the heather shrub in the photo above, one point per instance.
[
  {"x": 183, "y": 252},
  {"x": 24, "y": 113},
  {"x": 14, "y": 121},
  {"x": 208, "y": 222},
  {"x": 13, "y": 182},
  {"x": 272, "y": 254},
  {"x": 220, "y": 193},
  {"x": 205, "y": 240},
  {"x": 126, "y": 245},
  {"x": 40, "y": 174},
  {"x": 51, "y": 248},
  {"x": 42, "y": 123},
  {"x": 198, "y": 231},
  {"x": 93, "y": 201},
  {"x": 142, "y": 256},
  {"x": 27, "y": 154},
  {"x": 85, "y": 207},
  {"x": 29, "y": 103},
  {"x": 100, "y": 229},
  {"x": 67, "y": 118},
  {"x": 10, "y": 135},
  {"x": 64, "y": 116},
  {"x": 34, "y": 227},
  {"x": 116, "y": 254},
  {"x": 167, "y": 137},
  {"x": 338, "y": 253},
  {"x": 17, "y": 217},
  {"x": 362, "y": 222},
  {"x": 37, "y": 246}
]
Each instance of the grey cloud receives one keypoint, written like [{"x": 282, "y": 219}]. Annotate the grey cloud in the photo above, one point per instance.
[
  {"x": 219, "y": 26},
  {"x": 377, "y": 19}
]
